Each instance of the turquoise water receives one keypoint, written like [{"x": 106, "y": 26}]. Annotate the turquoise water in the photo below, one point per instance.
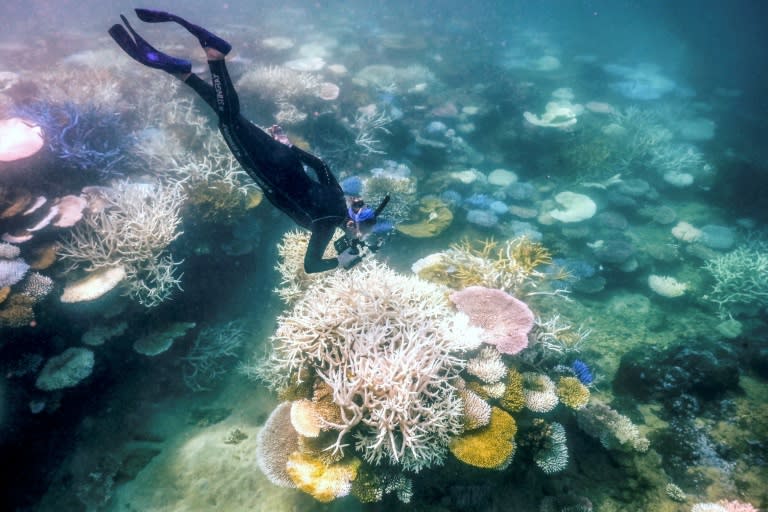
[{"x": 590, "y": 174}]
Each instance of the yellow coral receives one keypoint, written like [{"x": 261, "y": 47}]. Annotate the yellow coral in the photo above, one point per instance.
[
  {"x": 572, "y": 392},
  {"x": 490, "y": 447},
  {"x": 507, "y": 266},
  {"x": 433, "y": 218},
  {"x": 323, "y": 482},
  {"x": 4, "y": 292},
  {"x": 513, "y": 399}
]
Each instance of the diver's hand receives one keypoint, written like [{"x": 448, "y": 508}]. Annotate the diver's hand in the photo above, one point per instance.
[
  {"x": 278, "y": 134},
  {"x": 349, "y": 258}
]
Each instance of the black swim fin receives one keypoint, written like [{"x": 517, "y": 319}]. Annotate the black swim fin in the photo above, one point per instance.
[
  {"x": 140, "y": 50},
  {"x": 207, "y": 40}
]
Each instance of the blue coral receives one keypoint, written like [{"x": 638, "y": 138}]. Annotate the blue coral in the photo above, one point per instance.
[
  {"x": 478, "y": 201},
  {"x": 82, "y": 137},
  {"x": 582, "y": 372}
]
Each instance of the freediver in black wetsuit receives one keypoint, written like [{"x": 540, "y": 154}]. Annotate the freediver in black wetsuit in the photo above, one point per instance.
[{"x": 268, "y": 158}]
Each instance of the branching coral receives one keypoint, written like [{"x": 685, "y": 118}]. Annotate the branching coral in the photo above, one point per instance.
[
  {"x": 615, "y": 431},
  {"x": 82, "y": 137},
  {"x": 740, "y": 278},
  {"x": 294, "y": 280},
  {"x": 512, "y": 266},
  {"x": 279, "y": 83},
  {"x": 213, "y": 348},
  {"x": 384, "y": 343},
  {"x": 556, "y": 335},
  {"x": 133, "y": 231}
]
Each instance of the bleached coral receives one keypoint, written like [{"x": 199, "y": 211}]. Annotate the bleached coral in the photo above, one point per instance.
[
  {"x": 477, "y": 412},
  {"x": 294, "y": 281},
  {"x": 133, "y": 231},
  {"x": 382, "y": 342},
  {"x": 279, "y": 83},
  {"x": 539, "y": 392},
  {"x": 487, "y": 365},
  {"x": 552, "y": 457},
  {"x": 740, "y": 278},
  {"x": 666, "y": 286},
  {"x": 614, "y": 431}
]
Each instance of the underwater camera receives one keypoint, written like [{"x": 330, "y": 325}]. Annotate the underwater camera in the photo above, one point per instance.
[
  {"x": 354, "y": 245},
  {"x": 344, "y": 242}
]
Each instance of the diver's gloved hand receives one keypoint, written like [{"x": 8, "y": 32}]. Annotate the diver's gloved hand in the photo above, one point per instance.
[{"x": 349, "y": 258}]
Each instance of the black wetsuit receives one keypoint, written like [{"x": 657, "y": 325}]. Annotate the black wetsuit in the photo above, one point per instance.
[{"x": 277, "y": 168}]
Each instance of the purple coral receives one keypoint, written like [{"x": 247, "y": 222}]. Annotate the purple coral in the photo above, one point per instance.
[{"x": 505, "y": 319}]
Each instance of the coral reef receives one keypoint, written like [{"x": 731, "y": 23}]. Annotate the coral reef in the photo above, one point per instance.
[
  {"x": 387, "y": 357},
  {"x": 572, "y": 393},
  {"x": 552, "y": 453},
  {"x": 614, "y": 431}
]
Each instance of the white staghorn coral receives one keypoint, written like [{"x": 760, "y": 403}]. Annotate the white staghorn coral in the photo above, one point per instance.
[
  {"x": 133, "y": 232},
  {"x": 384, "y": 344},
  {"x": 279, "y": 83}
]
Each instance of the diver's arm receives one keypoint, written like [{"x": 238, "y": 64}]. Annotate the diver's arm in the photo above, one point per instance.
[
  {"x": 322, "y": 232},
  {"x": 324, "y": 174}
]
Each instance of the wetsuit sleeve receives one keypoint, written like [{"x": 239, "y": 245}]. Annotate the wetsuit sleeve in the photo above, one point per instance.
[
  {"x": 313, "y": 259},
  {"x": 324, "y": 174}
]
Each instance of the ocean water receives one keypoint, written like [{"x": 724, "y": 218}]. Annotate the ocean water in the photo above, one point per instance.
[{"x": 567, "y": 310}]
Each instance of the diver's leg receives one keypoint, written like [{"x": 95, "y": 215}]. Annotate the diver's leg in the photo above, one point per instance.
[
  {"x": 227, "y": 101},
  {"x": 201, "y": 87},
  {"x": 140, "y": 50},
  {"x": 207, "y": 39}
]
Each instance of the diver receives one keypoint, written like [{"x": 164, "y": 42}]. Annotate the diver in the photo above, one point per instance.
[{"x": 275, "y": 164}]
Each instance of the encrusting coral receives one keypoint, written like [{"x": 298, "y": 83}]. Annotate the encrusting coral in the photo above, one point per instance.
[
  {"x": 490, "y": 447},
  {"x": 324, "y": 482}
]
